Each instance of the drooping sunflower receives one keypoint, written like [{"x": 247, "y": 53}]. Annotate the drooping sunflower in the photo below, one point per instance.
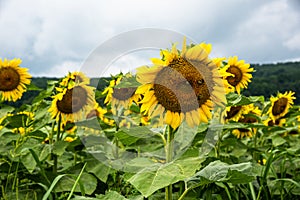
[
  {"x": 13, "y": 79},
  {"x": 238, "y": 74},
  {"x": 120, "y": 97},
  {"x": 278, "y": 122},
  {"x": 180, "y": 86},
  {"x": 75, "y": 77},
  {"x": 281, "y": 104},
  {"x": 72, "y": 104},
  {"x": 234, "y": 113},
  {"x": 248, "y": 118}
]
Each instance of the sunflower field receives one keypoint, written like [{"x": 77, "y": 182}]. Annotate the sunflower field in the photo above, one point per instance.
[{"x": 178, "y": 129}]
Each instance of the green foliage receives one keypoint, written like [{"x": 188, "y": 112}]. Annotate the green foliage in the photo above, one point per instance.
[{"x": 111, "y": 162}]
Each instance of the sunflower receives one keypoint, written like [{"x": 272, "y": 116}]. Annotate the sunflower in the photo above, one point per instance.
[
  {"x": 234, "y": 113},
  {"x": 180, "y": 86},
  {"x": 72, "y": 104},
  {"x": 248, "y": 118},
  {"x": 100, "y": 112},
  {"x": 122, "y": 97},
  {"x": 278, "y": 122},
  {"x": 281, "y": 104},
  {"x": 75, "y": 77},
  {"x": 13, "y": 79},
  {"x": 25, "y": 118},
  {"x": 238, "y": 75}
]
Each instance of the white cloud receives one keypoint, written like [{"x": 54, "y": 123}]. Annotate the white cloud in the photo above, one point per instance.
[
  {"x": 50, "y": 33},
  {"x": 59, "y": 70}
]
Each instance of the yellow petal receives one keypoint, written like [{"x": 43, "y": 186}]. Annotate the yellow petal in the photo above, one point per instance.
[
  {"x": 189, "y": 119},
  {"x": 202, "y": 115},
  {"x": 176, "y": 120},
  {"x": 168, "y": 117}
]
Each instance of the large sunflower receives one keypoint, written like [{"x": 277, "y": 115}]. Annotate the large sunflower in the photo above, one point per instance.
[
  {"x": 13, "y": 79},
  {"x": 281, "y": 104},
  {"x": 180, "y": 86},
  {"x": 238, "y": 74},
  {"x": 72, "y": 104}
]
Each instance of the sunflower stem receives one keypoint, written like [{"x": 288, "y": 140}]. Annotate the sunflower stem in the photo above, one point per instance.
[
  {"x": 169, "y": 157},
  {"x": 57, "y": 139}
]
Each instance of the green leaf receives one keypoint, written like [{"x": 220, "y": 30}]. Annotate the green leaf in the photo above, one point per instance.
[
  {"x": 218, "y": 171},
  {"x": 125, "y": 138},
  {"x": 88, "y": 181},
  {"x": 59, "y": 147},
  {"x": 45, "y": 152},
  {"x": 5, "y": 109},
  {"x": 153, "y": 178},
  {"x": 100, "y": 170},
  {"x": 234, "y": 99},
  {"x": 111, "y": 195},
  {"x": 139, "y": 163},
  {"x": 277, "y": 140},
  {"x": 28, "y": 161},
  {"x": 92, "y": 123},
  {"x": 33, "y": 87},
  {"x": 55, "y": 181},
  {"x": 128, "y": 82}
]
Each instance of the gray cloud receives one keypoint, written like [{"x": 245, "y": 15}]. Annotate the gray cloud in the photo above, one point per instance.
[{"x": 51, "y": 35}]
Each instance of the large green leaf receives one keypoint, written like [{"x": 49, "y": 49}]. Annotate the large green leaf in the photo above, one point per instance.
[
  {"x": 111, "y": 195},
  {"x": 218, "y": 171},
  {"x": 87, "y": 181},
  {"x": 100, "y": 170},
  {"x": 153, "y": 178}
]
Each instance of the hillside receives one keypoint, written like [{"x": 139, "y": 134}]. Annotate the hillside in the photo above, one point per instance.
[{"x": 270, "y": 78}]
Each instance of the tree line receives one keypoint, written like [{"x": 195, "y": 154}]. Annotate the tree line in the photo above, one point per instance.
[{"x": 268, "y": 79}]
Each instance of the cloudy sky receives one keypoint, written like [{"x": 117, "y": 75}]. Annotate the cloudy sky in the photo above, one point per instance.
[{"x": 54, "y": 37}]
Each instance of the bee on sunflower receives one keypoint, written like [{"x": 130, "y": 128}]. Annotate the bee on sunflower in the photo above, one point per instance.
[
  {"x": 181, "y": 86},
  {"x": 13, "y": 79},
  {"x": 280, "y": 105}
]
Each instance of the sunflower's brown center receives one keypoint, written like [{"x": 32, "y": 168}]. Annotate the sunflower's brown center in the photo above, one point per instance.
[
  {"x": 73, "y": 100},
  {"x": 233, "y": 111},
  {"x": 180, "y": 87},
  {"x": 68, "y": 126},
  {"x": 248, "y": 120},
  {"x": 279, "y": 106},
  {"x": 243, "y": 130},
  {"x": 238, "y": 75},
  {"x": 123, "y": 93},
  {"x": 9, "y": 79}
]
